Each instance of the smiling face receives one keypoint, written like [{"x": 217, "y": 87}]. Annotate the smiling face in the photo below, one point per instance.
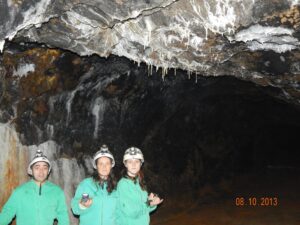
[
  {"x": 40, "y": 171},
  {"x": 133, "y": 166},
  {"x": 104, "y": 166}
]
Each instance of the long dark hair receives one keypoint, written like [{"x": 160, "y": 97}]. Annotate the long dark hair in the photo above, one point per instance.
[
  {"x": 111, "y": 180},
  {"x": 139, "y": 178}
]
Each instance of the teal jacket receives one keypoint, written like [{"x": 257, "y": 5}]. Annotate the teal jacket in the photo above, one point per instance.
[
  {"x": 34, "y": 207},
  {"x": 103, "y": 209},
  {"x": 132, "y": 204}
]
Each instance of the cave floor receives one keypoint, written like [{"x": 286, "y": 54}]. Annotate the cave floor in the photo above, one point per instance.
[{"x": 209, "y": 208}]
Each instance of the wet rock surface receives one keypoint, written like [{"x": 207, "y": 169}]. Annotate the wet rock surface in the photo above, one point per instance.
[{"x": 250, "y": 39}]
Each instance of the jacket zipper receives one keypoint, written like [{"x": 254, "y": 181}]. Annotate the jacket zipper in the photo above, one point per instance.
[{"x": 40, "y": 189}]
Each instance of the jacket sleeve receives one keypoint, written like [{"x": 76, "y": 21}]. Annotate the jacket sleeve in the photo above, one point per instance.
[
  {"x": 77, "y": 210},
  {"x": 128, "y": 205},
  {"x": 151, "y": 208},
  {"x": 9, "y": 210},
  {"x": 62, "y": 210}
]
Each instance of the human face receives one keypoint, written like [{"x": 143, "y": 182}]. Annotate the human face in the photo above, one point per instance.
[
  {"x": 40, "y": 171},
  {"x": 104, "y": 167},
  {"x": 133, "y": 166}
]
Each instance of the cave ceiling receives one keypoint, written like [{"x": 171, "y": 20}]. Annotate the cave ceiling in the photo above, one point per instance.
[{"x": 255, "y": 40}]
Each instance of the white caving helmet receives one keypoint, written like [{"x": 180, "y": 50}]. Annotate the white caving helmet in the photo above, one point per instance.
[
  {"x": 103, "y": 152},
  {"x": 39, "y": 157},
  {"x": 133, "y": 153}
]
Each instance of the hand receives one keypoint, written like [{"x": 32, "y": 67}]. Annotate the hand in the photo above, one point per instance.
[
  {"x": 154, "y": 199},
  {"x": 86, "y": 204}
]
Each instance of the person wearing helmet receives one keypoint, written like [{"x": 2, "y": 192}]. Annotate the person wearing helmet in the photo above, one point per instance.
[
  {"x": 38, "y": 201},
  {"x": 95, "y": 199},
  {"x": 134, "y": 203}
]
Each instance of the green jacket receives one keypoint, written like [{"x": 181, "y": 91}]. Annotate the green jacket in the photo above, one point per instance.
[
  {"x": 34, "y": 207},
  {"x": 132, "y": 204},
  {"x": 103, "y": 209}
]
